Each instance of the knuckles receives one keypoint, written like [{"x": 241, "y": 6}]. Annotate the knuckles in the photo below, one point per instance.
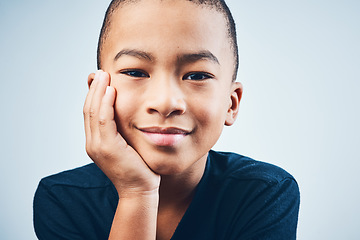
[
  {"x": 89, "y": 112},
  {"x": 102, "y": 121},
  {"x": 98, "y": 150},
  {"x": 92, "y": 113}
]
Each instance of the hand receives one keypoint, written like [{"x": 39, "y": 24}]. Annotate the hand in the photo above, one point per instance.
[{"x": 107, "y": 148}]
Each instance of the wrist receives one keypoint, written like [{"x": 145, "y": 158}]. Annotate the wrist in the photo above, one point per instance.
[
  {"x": 137, "y": 188},
  {"x": 134, "y": 194},
  {"x": 136, "y": 215},
  {"x": 132, "y": 201}
]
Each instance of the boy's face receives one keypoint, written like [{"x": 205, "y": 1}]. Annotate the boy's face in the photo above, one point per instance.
[{"x": 171, "y": 65}]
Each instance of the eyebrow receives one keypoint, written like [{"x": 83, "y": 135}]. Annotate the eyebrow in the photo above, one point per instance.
[
  {"x": 185, "y": 58},
  {"x": 135, "y": 53},
  {"x": 201, "y": 55}
]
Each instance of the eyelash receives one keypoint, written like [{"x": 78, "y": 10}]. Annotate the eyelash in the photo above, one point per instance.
[
  {"x": 201, "y": 76},
  {"x": 135, "y": 73}
]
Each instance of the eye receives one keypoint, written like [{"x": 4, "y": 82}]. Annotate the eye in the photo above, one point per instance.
[
  {"x": 197, "y": 76},
  {"x": 135, "y": 73}
]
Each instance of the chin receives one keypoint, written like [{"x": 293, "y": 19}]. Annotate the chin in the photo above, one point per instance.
[
  {"x": 171, "y": 163},
  {"x": 166, "y": 166}
]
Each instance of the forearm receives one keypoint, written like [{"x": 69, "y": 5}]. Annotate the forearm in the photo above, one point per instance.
[{"x": 136, "y": 217}]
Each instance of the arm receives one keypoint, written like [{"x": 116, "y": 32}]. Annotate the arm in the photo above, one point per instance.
[
  {"x": 135, "y": 217},
  {"x": 137, "y": 185}
]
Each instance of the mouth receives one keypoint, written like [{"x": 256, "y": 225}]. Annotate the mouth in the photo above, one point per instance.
[{"x": 164, "y": 137}]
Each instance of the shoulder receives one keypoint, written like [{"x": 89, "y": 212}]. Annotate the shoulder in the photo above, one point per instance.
[
  {"x": 241, "y": 198},
  {"x": 88, "y": 176},
  {"x": 238, "y": 167},
  {"x": 240, "y": 179},
  {"x": 257, "y": 200},
  {"x": 68, "y": 204},
  {"x": 76, "y": 190}
]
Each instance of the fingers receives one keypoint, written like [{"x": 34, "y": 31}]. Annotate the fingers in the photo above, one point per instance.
[
  {"x": 90, "y": 79},
  {"x": 86, "y": 109},
  {"x": 101, "y": 81},
  {"x": 98, "y": 83},
  {"x": 87, "y": 106},
  {"x": 107, "y": 124}
]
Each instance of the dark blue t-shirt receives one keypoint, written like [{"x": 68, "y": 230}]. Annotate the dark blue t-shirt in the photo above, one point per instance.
[{"x": 237, "y": 198}]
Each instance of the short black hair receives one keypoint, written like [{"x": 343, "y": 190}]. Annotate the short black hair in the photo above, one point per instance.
[{"x": 219, "y": 5}]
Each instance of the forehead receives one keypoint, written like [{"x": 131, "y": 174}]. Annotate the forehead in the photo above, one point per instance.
[
  {"x": 155, "y": 24},
  {"x": 170, "y": 10}
]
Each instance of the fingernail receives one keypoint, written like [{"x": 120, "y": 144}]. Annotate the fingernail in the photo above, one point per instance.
[
  {"x": 108, "y": 89},
  {"x": 102, "y": 76},
  {"x": 97, "y": 73}
]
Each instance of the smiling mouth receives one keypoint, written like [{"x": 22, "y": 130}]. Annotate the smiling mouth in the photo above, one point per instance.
[{"x": 165, "y": 137}]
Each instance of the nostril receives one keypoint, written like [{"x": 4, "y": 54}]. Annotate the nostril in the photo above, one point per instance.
[
  {"x": 166, "y": 108},
  {"x": 165, "y": 101},
  {"x": 177, "y": 112},
  {"x": 164, "y": 113},
  {"x": 174, "y": 113},
  {"x": 151, "y": 110}
]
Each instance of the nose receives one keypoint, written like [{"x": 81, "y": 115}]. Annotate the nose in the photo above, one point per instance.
[{"x": 165, "y": 97}]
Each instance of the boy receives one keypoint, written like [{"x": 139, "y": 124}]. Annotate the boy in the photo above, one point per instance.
[{"x": 166, "y": 88}]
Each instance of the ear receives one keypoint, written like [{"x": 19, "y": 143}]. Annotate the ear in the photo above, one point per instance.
[
  {"x": 90, "y": 79},
  {"x": 235, "y": 97}
]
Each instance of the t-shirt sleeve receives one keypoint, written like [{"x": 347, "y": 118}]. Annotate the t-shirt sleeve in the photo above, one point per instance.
[
  {"x": 272, "y": 213},
  {"x": 51, "y": 219}
]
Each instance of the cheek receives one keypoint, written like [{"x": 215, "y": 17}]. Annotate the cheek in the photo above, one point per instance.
[
  {"x": 125, "y": 95},
  {"x": 210, "y": 106},
  {"x": 210, "y": 113},
  {"x": 124, "y": 110}
]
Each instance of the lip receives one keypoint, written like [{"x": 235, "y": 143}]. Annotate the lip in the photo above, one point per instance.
[{"x": 164, "y": 136}]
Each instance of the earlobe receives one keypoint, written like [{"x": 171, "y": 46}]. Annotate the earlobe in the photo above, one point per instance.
[
  {"x": 235, "y": 97},
  {"x": 90, "y": 79}
]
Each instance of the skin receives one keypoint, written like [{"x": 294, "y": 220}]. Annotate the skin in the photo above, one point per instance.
[{"x": 156, "y": 109}]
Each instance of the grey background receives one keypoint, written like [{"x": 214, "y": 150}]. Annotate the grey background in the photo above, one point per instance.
[{"x": 300, "y": 109}]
